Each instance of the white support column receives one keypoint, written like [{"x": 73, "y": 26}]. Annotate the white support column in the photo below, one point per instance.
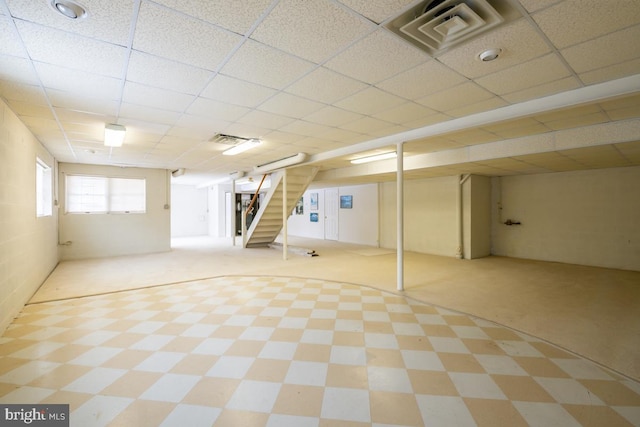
[
  {"x": 400, "y": 214},
  {"x": 233, "y": 212},
  {"x": 284, "y": 215}
]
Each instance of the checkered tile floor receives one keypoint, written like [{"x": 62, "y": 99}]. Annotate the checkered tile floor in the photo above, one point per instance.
[{"x": 247, "y": 351}]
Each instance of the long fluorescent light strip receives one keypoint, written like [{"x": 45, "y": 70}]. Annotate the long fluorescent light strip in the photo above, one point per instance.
[
  {"x": 375, "y": 158},
  {"x": 240, "y": 148}
]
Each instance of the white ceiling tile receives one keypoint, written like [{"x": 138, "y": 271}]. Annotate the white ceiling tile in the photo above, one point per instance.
[
  {"x": 290, "y": 106},
  {"x": 611, "y": 73},
  {"x": 556, "y": 86},
  {"x": 533, "y": 5},
  {"x": 147, "y": 113},
  {"x": 405, "y": 113},
  {"x": 390, "y": 130},
  {"x": 245, "y": 130},
  {"x": 237, "y": 16},
  {"x": 574, "y": 21},
  {"x": 10, "y": 43},
  {"x": 162, "y": 32},
  {"x": 136, "y": 93},
  {"x": 279, "y": 137},
  {"x": 265, "y": 120},
  {"x": 422, "y": 80},
  {"x": 459, "y": 96},
  {"x": 82, "y": 103},
  {"x": 163, "y": 73},
  {"x": 428, "y": 120},
  {"x": 478, "y": 107},
  {"x": 234, "y": 91},
  {"x": 326, "y": 86},
  {"x": 108, "y": 21},
  {"x": 377, "y": 57},
  {"x": 377, "y": 11},
  {"x": 526, "y": 75},
  {"x": 78, "y": 82},
  {"x": 332, "y": 116},
  {"x": 311, "y": 30},
  {"x": 604, "y": 51},
  {"x": 366, "y": 125},
  {"x": 22, "y": 92},
  {"x": 216, "y": 110},
  {"x": 301, "y": 127},
  {"x": 13, "y": 68},
  {"x": 204, "y": 126},
  {"x": 370, "y": 101},
  {"x": 72, "y": 51},
  {"x": 344, "y": 136},
  {"x": 261, "y": 64},
  {"x": 519, "y": 42}
]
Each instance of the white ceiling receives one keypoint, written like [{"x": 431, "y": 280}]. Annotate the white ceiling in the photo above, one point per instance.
[{"x": 324, "y": 77}]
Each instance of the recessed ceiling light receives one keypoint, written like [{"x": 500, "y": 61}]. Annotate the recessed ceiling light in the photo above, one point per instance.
[
  {"x": 69, "y": 9},
  {"x": 489, "y": 55}
]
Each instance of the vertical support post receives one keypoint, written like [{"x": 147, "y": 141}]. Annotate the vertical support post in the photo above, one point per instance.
[
  {"x": 400, "y": 214},
  {"x": 233, "y": 212},
  {"x": 284, "y": 216}
]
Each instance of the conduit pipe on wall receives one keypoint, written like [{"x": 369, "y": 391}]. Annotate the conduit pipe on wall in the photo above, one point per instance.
[{"x": 460, "y": 249}]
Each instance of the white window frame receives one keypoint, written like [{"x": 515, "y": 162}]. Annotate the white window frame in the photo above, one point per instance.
[
  {"x": 95, "y": 194},
  {"x": 44, "y": 186}
]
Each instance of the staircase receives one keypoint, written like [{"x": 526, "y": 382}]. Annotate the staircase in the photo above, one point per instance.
[{"x": 267, "y": 223}]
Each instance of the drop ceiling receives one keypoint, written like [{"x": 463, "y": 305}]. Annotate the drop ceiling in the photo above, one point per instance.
[{"x": 324, "y": 77}]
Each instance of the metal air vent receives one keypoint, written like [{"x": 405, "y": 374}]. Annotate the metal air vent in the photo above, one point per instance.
[
  {"x": 436, "y": 26},
  {"x": 230, "y": 140}
]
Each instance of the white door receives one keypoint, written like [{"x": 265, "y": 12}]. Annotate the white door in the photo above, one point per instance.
[{"x": 331, "y": 207}]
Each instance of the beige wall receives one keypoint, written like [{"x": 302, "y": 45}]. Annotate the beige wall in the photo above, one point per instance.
[
  {"x": 28, "y": 244},
  {"x": 430, "y": 214},
  {"x": 582, "y": 217},
  {"x": 103, "y": 235},
  {"x": 477, "y": 217}
]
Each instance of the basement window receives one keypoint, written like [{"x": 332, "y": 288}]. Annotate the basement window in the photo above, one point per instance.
[
  {"x": 105, "y": 195},
  {"x": 43, "y": 189}
]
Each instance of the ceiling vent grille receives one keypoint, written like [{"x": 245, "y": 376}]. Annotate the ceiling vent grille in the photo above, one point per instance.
[
  {"x": 230, "y": 140},
  {"x": 436, "y": 26}
]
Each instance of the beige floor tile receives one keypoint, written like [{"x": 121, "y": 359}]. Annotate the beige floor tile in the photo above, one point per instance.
[
  {"x": 348, "y": 338},
  {"x": 438, "y": 331},
  {"x": 60, "y": 376},
  {"x": 481, "y": 346},
  {"x": 246, "y": 348},
  {"x": 596, "y": 416},
  {"x": 347, "y": 376},
  {"x": 313, "y": 352},
  {"x": 214, "y": 392},
  {"x": 268, "y": 370},
  {"x": 132, "y": 384},
  {"x": 432, "y": 382},
  {"x": 127, "y": 359},
  {"x": 456, "y": 362},
  {"x": 194, "y": 364},
  {"x": 612, "y": 393},
  {"x": 300, "y": 400},
  {"x": 494, "y": 413},
  {"x": 385, "y": 357},
  {"x": 521, "y": 388},
  {"x": 232, "y": 418},
  {"x": 394, "y": 408},
  {"x": 143, "y": 413},
  {"x": 551, "y": 351},
  {"x": 540, "y": 367}
]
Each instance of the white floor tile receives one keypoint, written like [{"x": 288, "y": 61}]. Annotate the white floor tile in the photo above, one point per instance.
[
  {"x": 171, "y": 388},
  {"x": 545, "y": 415},
  {"x": 257, "y": 333},
  {"x": 293, "y": 322},
  {"x": 161, "y": 361},
  {"x": 152, "y": 342},
  {"x": 213, "y": 346},
  {"x": 346, "y": 404},
  {"x": 28, "y": 372},
  {"x": 502, "y": 365},
  {"x": 278, "y": 350},
  {"x": 568, "y": 391},
  {"x": 278, "y": 420},
  {"x": 476, "y": 385},
  {"x": 95, "y": 380},
  {"x": 348, "y": 355},
  {"x": 307, "y": 373},
  {"x": 444, "y": 411},
  {"x": 375, "y": 340},
  {"x": 519, "y": 348},
  {"x": 95, "y": 356},
  {"x": 201, "y": 330},
  {"x": 257, "y": 396},
  {"x": 448, "y": 345},
  {"x": 192, "y": 416},
  {"x": 317, "y": 336},
  {"x": 412, "y": 329},
  {"x": 389, "y": 379},
  {"x": 424, "y": 360},
  {"x": 26, "y": 394},
  {"x": 98, "y": 411},
  {"x": 240, "y": 320},
  {"x": 231, "y": 367},
  {"x": 582, "y": 369}
]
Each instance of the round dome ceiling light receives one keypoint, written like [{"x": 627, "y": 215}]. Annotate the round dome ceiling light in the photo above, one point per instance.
[
  {"x": 69, "y": 9},
  {"x": 489, "y": 55}
]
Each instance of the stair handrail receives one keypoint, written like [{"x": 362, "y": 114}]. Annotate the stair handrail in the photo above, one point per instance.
[{"x": 255, "y": 196}]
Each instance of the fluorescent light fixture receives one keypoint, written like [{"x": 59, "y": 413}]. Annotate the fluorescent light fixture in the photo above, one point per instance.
[
  {"x": 281, "y": 163},
  {"x": 114, "y": 135},
  {"x": 374, "y": 158},
  {"x": 240, "y": 148}
]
